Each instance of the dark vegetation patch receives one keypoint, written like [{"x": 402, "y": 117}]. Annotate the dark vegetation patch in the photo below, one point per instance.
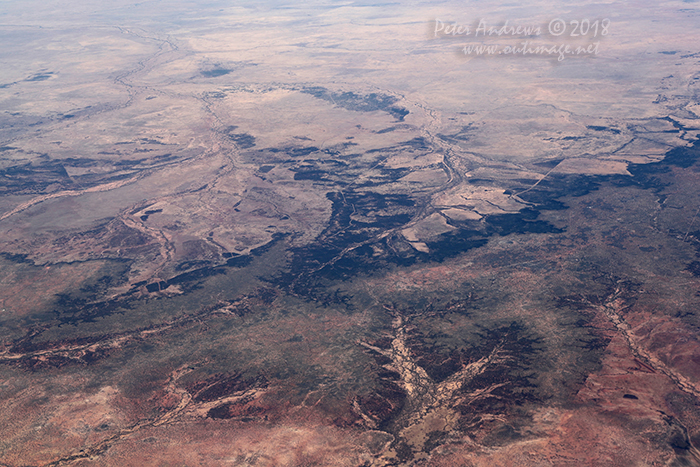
[
  {"x": 239, "y": 261},
  {"x": 74, "y": 310},
  {"x": 220, "y": 411},
  {"x": 682, "y": 157},
  {"x": 40, "y": 76},
  {"x": 148, "y": 213},
  {"x": 242, "y": 140},
  {"x": 84, "y": 306},
  {"x": 603, "y": 128},
  {"x": 300, "y": 151},
  {"x": 694, "y": 268},
  {"x": 326, "y": 170},
  {"x": 34, "y": 177},
  {"x": 215, "y": 72},
  {"x": 39, "y": 175},
  {"x": 17, "y": 258},
  {"x": 358, "y": 102},
  {"x": 522, "y": 222}
]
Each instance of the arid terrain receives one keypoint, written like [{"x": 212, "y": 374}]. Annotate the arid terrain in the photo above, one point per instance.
[{"x": 343, "y": 234}]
